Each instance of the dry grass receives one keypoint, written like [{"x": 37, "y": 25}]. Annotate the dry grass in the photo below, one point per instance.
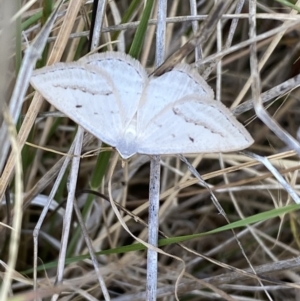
[{"x": 215, "y": 265}]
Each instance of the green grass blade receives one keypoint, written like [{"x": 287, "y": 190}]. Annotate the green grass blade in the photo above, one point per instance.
[{"x": 138, "y": 40}]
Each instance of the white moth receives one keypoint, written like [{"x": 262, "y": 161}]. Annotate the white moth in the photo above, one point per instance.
[{"x": 111, "y": 96}]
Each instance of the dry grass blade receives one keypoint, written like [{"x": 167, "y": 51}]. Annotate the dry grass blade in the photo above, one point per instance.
[{"x": 201, "y": 37}]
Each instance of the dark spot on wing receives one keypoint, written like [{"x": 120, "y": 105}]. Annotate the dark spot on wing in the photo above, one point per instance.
[
  {"x": 192, "y": 139},
  {"x": 78, "y": 106},
  {"x": 175, "y": 110}
]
